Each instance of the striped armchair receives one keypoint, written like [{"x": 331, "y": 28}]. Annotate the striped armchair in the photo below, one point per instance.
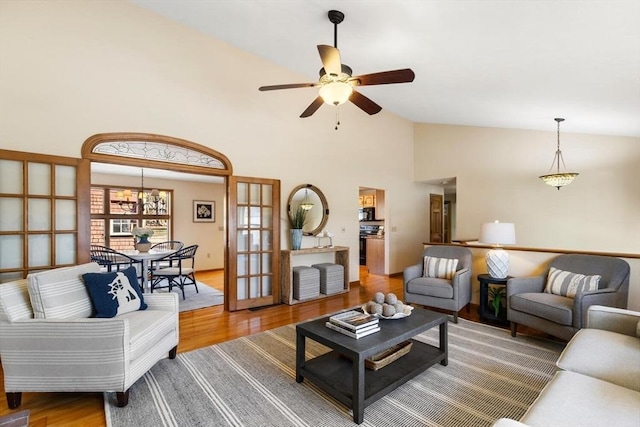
[{"x": 51, "y": 344}]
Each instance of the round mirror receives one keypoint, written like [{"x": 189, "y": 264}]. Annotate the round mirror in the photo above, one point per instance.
[{"x": 311, "y": 199}]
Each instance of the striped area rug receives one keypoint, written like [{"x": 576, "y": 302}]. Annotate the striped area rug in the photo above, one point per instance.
[{"x": 250, "y": 381}]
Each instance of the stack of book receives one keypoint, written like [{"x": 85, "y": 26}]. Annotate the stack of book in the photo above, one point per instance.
[{"x": 354, "y": 324}]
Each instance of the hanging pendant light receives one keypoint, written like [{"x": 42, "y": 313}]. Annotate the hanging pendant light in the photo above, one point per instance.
[
  {"x": 306, "y": 203},
  {"x": 558, "y": 179}
]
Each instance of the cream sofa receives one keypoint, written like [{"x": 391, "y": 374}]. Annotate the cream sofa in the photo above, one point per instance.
[
  {"x": 598, "y": 383},
  {"x": 50, "y": 343}
]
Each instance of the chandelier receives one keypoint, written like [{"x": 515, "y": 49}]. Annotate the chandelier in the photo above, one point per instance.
[
  {"x": 558, "y": 179},
  {"x": 153, "y": 202},
  {"x": 125, "y": 202}
]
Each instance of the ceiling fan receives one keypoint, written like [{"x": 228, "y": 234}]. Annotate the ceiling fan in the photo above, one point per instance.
[{"x": 337, "y": 82}]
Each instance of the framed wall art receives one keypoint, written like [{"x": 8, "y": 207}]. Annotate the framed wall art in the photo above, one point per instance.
[{"x": 204, "y": 211}]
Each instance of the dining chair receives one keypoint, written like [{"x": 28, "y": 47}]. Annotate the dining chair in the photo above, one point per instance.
[
  {"x": 169, "y": 245},
  {"x": 177, "y": 268},
  {"x": 112, "y": 260},
  {"x": 166, "y": 246}
]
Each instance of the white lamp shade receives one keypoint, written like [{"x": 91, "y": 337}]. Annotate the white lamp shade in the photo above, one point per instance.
[
  {"x": 498, "y": 233},
  {"x": 336, "y": 93}
]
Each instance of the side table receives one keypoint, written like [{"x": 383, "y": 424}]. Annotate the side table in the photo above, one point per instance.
[{"x": 485, "y": 311}]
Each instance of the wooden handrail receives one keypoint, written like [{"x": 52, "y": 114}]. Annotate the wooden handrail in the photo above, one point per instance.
[{"x": 468, "y": 243}]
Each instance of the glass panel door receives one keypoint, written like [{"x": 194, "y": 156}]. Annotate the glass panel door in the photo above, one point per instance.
[
  {"x": 254, "y": 245},
  {"x": 40, "y": 203}
]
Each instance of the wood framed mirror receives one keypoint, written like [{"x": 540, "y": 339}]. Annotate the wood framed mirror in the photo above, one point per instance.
[{"x": 310, "y": 196}]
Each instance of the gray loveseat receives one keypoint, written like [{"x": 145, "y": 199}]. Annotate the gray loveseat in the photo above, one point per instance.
[{"x": 598, "y": 383}]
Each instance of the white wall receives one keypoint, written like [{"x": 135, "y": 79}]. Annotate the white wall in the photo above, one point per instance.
[
  {"x": 72, "y": 69},
  {"x": 208, "y": 236}
]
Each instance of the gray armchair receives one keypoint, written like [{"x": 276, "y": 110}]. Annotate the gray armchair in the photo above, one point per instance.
[
  {"x": 445, "y": 294},
  {"x": 560, "y": 316}
]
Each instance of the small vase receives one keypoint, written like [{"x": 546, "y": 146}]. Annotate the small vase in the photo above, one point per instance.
[
  {"x": 296, "y": 238},
  {"x": 143, "y": 245}
]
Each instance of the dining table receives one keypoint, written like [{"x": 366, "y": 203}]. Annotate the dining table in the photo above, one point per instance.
[{"x": 145, "y": 257}]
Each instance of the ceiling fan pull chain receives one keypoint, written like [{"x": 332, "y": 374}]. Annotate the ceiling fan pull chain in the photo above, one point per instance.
[{"x": 337, "y": 117}]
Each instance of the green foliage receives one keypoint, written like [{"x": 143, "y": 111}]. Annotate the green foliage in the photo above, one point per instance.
[
  {"x": 496, "y": 293},
  {"x": 298, "y": 218}
]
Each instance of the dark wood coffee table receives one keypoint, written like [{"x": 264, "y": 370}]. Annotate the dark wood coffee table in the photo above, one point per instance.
[{"x": 341, "y": 372}]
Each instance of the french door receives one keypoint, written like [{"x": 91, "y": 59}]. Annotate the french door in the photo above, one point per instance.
[
  {"x": 253, "y": 239},
  {"x": 43, "y": 209}
]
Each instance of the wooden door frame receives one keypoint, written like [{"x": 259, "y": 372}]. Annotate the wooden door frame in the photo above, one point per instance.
[
  {"x": 117, "y": 141},
  {"x": 231, "y": 266}
]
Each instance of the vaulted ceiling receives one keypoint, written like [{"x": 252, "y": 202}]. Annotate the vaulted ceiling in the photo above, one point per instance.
[{"x": 510, "y": 64}]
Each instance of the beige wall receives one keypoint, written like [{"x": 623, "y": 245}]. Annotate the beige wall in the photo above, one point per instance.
[
  {"x": 497, "y": 179},
  {"x": 71, "y": 69},
  {"x": 208, "y": 236}
]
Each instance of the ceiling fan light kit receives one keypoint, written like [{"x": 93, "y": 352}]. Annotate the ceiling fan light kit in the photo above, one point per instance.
[
  {"x": 336, "y": 93},
  {"x": 337, "y": 82}
]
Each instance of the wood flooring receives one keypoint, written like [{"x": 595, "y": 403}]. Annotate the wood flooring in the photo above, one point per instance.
[{"x": 200, "y": 328}]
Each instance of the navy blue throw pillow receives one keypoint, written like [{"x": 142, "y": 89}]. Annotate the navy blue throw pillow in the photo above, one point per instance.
[{"x": 114, "y": 293}]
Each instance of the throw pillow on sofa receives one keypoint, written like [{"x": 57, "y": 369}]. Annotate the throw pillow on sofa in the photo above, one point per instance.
[
  {"x": 114, "y": 293},
  {"x": 441, "y": 268},
  {"x": 568, "y": 284}
]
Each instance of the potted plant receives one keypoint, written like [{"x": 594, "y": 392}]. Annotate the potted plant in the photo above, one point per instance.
[
  {"x": 297, "y": 219},
  {"x": 496, "y": 293},
  {"x": 142, "y": 233}
]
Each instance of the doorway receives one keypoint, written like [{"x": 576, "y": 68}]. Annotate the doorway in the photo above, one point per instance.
[
  {"x": 436, "y": 217},
  {"x": 372, "y": 217},
  {"x": 252, "y": 208}
]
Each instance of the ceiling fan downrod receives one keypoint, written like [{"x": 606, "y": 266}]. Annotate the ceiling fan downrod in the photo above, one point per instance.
[{"x": 336, "y": 17}]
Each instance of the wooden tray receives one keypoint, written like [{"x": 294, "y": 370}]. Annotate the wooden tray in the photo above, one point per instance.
[{"x": 391, "y": 354}]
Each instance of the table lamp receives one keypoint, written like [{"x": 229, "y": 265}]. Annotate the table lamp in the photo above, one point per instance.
[{"x": 498, "y": 234}]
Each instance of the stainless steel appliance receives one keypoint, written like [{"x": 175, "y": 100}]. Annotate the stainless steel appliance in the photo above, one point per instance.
[
  {"x": 367, "y": 214},
  {"x": 366, "y": 230}
]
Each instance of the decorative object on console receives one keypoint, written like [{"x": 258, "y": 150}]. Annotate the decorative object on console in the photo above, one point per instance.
[
  {"x": 558, "y": 179},
  {"x": 337, "y": 81},
  {"x": 323, "y": 236},
  {"x": 143, "y": 233},
  {"x": 498, "y": 234},
  {"x": 297, "y": 220}
]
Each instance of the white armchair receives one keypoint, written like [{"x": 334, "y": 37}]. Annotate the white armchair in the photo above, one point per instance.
[{"x": 78, "y": 353}]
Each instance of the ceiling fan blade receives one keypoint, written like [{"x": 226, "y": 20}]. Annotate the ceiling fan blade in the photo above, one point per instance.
[
  {"x": 364, "y": 103},
  {"x": 288, "y": 86},
  {"x": 405, "y": 75},
  {"x": 313, "y": 107},
  {"x": 330, "y": 57}
]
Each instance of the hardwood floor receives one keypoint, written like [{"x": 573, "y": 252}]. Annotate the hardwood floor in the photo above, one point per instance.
[{"x": 202, "y": 328}]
